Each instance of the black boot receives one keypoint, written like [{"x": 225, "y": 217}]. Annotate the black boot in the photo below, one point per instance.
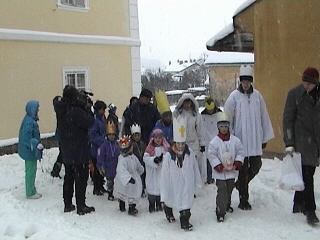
[
  {"x": 97, "y": 192},
  {"x": 110, "y": 196},
  {"x": 312, "y": 217},
  {"x": 85, "y": 209},
  {"x": 244, "y": 205},
  {"x": 169, "y": 214},
  {"x": 69, "y": 207},
  {"x": 132, "y": 210},
  {"x": 299, "y": 208},
  {"x": 152, "y": 202},
  {"x": 158, "y": 204},
  {"x": 122, "y": 206},
  {"x": 56, "y": 170},
  {"x": 184, "y": 220}
]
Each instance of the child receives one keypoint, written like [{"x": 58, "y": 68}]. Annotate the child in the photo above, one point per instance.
[
  {"x": 226, "y": 156},
  {"x": 153, "y": 156},
  {"x": 107, "y": 158},
  {"x": 180, "y": 176},
  {"x": 138, "y": 150},
  {"x": 29, "y": 147},
  {"x": 127, "y": 183}
]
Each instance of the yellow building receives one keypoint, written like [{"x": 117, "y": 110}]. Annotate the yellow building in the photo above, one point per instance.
[
  {"x": 45, "y": 45},
  {"x": 285, "y": 38}
]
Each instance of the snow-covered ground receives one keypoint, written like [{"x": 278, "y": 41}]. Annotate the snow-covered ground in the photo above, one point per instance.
[{"x": 270, "y": 218}]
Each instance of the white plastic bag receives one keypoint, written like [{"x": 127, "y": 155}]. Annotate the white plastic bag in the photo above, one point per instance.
[{"x": 291, "y": 173}]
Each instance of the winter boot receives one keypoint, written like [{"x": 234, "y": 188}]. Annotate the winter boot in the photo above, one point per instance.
[
  {"x": 110, "y": 196},
  {"x": 97, "y": 192},
  {"x": 229, "y": 209},
  {"x": 169, "y": 214},
  {"x": 184, "y": 220},
  {"x": 299, "y": 208},
  {"x": 56, "y": 170},
  {"x": 69, "y": 207},
  {"x": 158, "y": 204},
  {"x": 312, "y": 218},
  {"x": 85, "y": 209},
  {"x": 122, "y": 206},
  {"x": 152, "y": 202},
  {"x": 244, "y": 205},
  {"x": 132, "y": 210},
  {"x": 220, "y": 218}
]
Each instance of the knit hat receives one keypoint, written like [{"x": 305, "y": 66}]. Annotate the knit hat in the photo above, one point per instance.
[
  {"x": 246, "y": 73},
  {"x": 146, "y": 93},
  {"x": 311, "y": 75}
]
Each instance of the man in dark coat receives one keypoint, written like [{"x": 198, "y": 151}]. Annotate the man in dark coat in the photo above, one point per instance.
[
  {"x": 301, "y": 133},
  {"x": 73, "y": 122},
  {"x": 142, "y": 113}
]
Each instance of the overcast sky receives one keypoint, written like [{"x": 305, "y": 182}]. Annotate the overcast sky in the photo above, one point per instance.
[{"x": 179, "y": 29}]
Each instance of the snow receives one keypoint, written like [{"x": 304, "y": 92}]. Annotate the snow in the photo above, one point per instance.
[
  {"x": 270, "y": 218},
  {"x": 12, "y": 141},
  {"x": 221, "y": 34},
  {"x": 243, "y": 6},
  {"x": 215, "y": 57}
]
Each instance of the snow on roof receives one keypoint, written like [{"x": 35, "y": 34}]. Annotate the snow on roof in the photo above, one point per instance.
[
  {"x": 202, "y": 97},
  {"x": 175, "y": 67},
  {"x": 175, "y": 92},
  {"x": 223, "y": 33},
  {"x": 243, "y": 6},
  {"x": 197, "y": 89},
  {"x": 215, "y": 57}
]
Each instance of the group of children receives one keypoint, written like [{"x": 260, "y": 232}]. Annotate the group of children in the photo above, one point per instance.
[{"x": 168, "y": 174}]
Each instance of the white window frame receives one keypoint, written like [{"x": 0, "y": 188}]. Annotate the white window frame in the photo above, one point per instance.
[
  {"x": 76, "y": 70},
  {"x": 63, "y": 6}
]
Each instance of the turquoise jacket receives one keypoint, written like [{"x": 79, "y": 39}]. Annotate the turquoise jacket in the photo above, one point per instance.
[{"x": 29, "y": 134}]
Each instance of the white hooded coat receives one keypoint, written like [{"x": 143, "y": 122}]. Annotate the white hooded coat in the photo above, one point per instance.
[
  {"x": 195, "y": 132},
  {"x": 178, "y": 185},
  {"x": 153, "y": 171},
  {"x": 249, "y": 120},
  {"x": 128, "y": 167},
  {"x": 216, "y": 149}
]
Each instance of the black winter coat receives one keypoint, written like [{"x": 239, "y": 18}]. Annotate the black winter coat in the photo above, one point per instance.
[
  {"x": 73, "y": 124},
  {"x": 144, "y": 115},
  {"x": 301, "y": 124}
]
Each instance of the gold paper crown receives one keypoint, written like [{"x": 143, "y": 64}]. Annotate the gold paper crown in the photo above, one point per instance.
[
  {"x": 209, "y": 103},
  {"x": 162, "y": 101},
  {"x": 110, "y": 127}
]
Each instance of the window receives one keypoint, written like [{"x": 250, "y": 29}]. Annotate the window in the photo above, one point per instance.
[
  {"x": 77, "y": 77},
  {"x": 74, "y": 5}
]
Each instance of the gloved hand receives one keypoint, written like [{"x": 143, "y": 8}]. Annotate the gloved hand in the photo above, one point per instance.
[
  {"x": 158, "y": 159},
  {"x": 102, "y": 171},
  {"x": 219, "y": 168},
  {"x": 40, "y": 146},
  {"x": 237, "y": 165},
  {"x": 264, "y": 145},
  {"x": 202, "y": 149},
  {"x": 290, "y": 150},
  {"x": 132, "y": 181}
]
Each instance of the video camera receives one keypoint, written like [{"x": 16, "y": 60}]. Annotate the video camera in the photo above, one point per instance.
[{"x": 83, "y": 98}]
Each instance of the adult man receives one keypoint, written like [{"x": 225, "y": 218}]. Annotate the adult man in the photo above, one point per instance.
[
  {"x": 143, "y": 113},
  {"x": 73, "y": 121},
  {"x": 250, "y": 122},
  {"x": 301, "y": 131}
]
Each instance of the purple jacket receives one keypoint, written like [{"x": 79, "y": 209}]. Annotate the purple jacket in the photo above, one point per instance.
[{"x": 107, "y": 157}]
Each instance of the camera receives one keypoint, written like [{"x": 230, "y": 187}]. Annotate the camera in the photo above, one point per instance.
[{"x": 83, "y": 98}]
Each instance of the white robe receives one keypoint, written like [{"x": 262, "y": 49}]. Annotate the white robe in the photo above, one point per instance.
[
  {"x": 128, "y": 167},
  {"x": 178, "y": 185},
  {"x": 210, "y": 128},
  {"x": 217, "y": 147},
  {"x": 249, "y": 120},
  {"x": 153, "y": 171}
]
